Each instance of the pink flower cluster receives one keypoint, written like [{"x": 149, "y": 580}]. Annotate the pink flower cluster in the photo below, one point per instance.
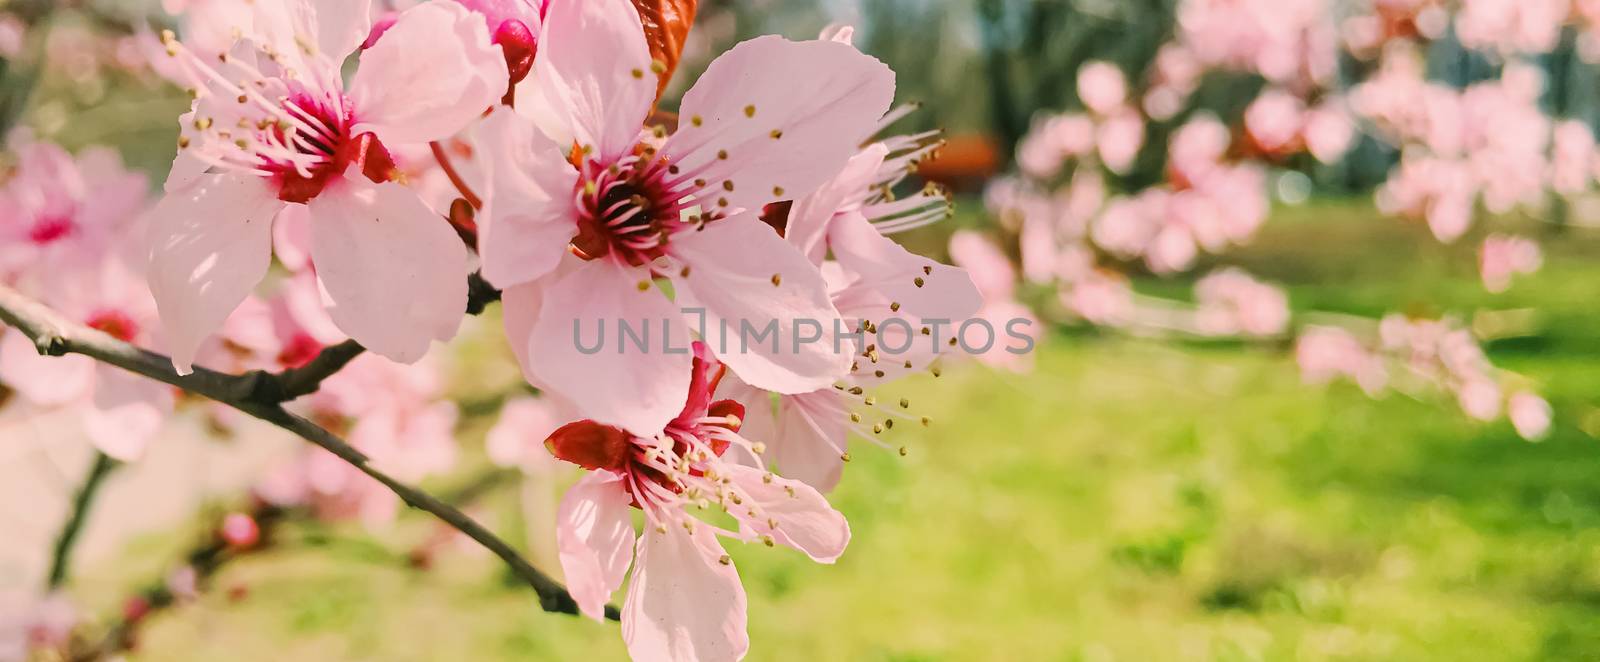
[
  {"x": 307, "y": 206},
  {"x": 1488, "y": 144},
  {"x": 1110, "y": 132},
  {"x": 63, "y": 239},
  {"x": 1436, "y": 354},
  {"x": 1231, "y": 302}
]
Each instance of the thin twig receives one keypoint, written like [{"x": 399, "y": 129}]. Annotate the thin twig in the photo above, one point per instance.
[
  {"x": 54, "y": 335},
  {"x": 61, "y": 556},
  {"x": 455, "y": 177},
  {"x": 306, "y": 379}
]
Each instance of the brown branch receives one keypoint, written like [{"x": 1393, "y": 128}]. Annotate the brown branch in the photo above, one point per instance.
[
  {"x": 53, "y": 335},
  {"x": 306, "y": 379}
]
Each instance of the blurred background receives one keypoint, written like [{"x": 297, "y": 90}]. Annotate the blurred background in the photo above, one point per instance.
[{"x": 1316, "y": 373}]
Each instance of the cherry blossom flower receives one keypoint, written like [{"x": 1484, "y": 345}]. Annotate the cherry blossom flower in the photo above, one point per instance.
[
  {"x": 35, "y": 624},
  {"x": 273, "y": 127},
  {"x": 516, "y": 440},
  {"x": 685, "y": 601},
  {"x": 996, "y": 280},
  {"x": 64, "y": 212},
  {"x": 1232, "y": 302},
  {"x": 769, "y": 120},
  {"x": 1100, "y": 298},
  {"x": 1101, "y": 87},
  {"x": 1326, "y": 352},
  {"x": 1504, "y": 256},
  {"x": 871, "y": 279},
  {"x": 1530, "y": 415},
  {"x": 1274, "y": 121},
  {"x": 120, "y": 412},
  {"x": 515, "y": 26}
]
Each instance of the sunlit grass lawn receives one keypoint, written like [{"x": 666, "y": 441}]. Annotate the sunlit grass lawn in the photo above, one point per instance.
[{"x": 1125, "y": 500}]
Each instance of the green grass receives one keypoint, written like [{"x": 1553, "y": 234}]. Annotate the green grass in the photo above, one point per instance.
[{"x": 1125, "y": 500}]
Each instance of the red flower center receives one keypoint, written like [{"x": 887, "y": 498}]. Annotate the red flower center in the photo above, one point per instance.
[
  {"x": 114, "y": 323},
  {"x": 325, "y": 137},
  {"x": 50, "y": 229},
  {"x": 299, "y": 351}
]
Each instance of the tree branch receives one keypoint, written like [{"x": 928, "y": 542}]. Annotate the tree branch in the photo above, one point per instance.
[
  {"x": 54, "y": 336},
  {"x": 61, "y": 556}
]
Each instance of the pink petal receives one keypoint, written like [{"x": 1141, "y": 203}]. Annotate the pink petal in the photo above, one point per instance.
[
  {"x": 592, "y": 80},
  {"x": 792, "y": 512},
  {"x": 811, "y": 438},
  {"x": 291, "y": 237},
  {"x": 684, "y": 604},
  {"x": 43, "y": 380},
  {"x": 990, "y": 270},
  {"x": 923, "y": 288},
  {"x": 430, "y": 76},
  {"x": 616, "y": 385},
  {"x": 517, "y": 438},
  {"x": 745, "y": 274},
  {"x": 528, "y": 216},
  {"x": 594, "y": 531},
  {"x": 811, "y": 216},
  {"x": 519, "y": 306},
  {"x": 395, "y": 273},
  {"x": 126, "y": 414},
  {"x": 822, "y": 99},
  {"x": 341, "y": 25},
  {"x": 210, "y": 244}
]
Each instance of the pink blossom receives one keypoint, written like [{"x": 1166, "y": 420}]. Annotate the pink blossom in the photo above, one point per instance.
[
  {"x": 1511, "y": 26},
  {"x": 1100, "y": 298},
  {"x": 64, "y": 212},
  {"x": 1232, "y": 302},
  {"x": 35, "y": 624},
  {"x": 1479, "y": 399},
  {"x": 120, "y": 412},
  {"x": 1101, "y": 87},
  {"x": 1504, "y": 256},
  {"x": 517, "y": 438},
  {"x": 770, "y": 120},
  {"x": 1052, "y": 141},
  {"x": 871, "y": 280},
  {"x": 685, "y": 601},
  {"x": 1274, "y": 121},
  {"x": 12, "y": 33},
  {"x": 1118, "y": 139},
  {"x": 1329, "y": 132},
  {"x": 273, "y": 127},
  {"x": 1196, "y": 148},
  {"x": 1530, "y": 415},
  {"x": 515, "y": 26},
  {"x": 1572, "y": 155},
  {"x": 1327, "y": 352}
]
